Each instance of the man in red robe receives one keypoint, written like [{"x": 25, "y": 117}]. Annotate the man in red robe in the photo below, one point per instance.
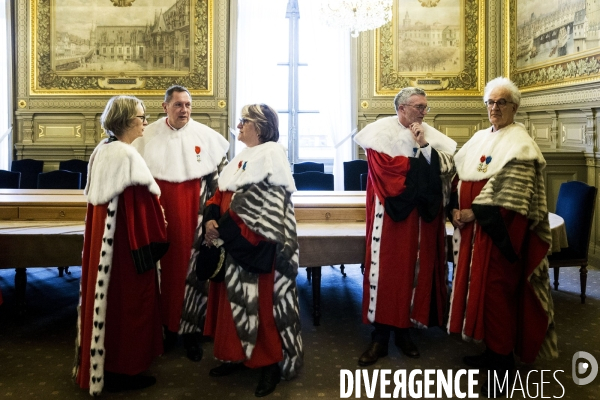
[
  {"x": 501, "y": 289},
  {"x": 184, "y": 157},
  {"x": 410, "y": 167}
]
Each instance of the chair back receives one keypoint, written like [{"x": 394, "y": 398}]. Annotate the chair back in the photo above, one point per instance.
[
  {"x": 59, "y": 180},
  {"x": 352, "y": 171},
  {"x": 575, "y": 204},
  {"x": 29, "y": 170},
  {"x": 313, "y": 181},
  {"x": 308, "y": 166},
  {"x": 75, "y": 165},
  {"x": 9, "y": 179}
]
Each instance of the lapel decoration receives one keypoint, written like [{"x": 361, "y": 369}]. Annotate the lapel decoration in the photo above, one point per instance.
[
  {"x": 242, "y": 165},
  {"x": 198, "y": 150},
  {"x": 483, "y": 164}
]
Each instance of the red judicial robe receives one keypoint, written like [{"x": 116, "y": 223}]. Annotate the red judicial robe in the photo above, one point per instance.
[
  {"x": 405, "y": 265},
  {"x": 219, "y": 318},
  {"x": 501, "y": 291},
  {"x": 180, "y": 160},
  {"x": 254, "y": 316},
  {"x": 119, "y": 326}
]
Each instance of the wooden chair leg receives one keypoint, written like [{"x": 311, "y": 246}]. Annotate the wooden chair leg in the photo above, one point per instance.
[
  {"x": 556, "y": 271},
  {"x": 67, "y": 271},
  {"x": 308, "y": 274},
  {"x": 20, "y": 289},
  {"x": 583, "y": 281},
  {"x": 61, "y": 271},
  {"x": 342, "y": 269},
  {"x": 316, "y": 287},
  {"x": 362, "y": 269}
]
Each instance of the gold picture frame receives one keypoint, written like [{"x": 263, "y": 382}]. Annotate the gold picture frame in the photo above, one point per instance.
[
  {"x": 460, "y": 46},
  {"x": 169, "y": 43},
  {"x": 562, "y": 49}
]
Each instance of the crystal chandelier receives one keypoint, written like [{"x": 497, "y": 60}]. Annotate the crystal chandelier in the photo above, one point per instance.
[{"x": 358, "y": 15}]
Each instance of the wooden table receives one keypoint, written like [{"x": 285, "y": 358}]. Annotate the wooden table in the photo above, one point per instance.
[{"x": 45, "y": 228}]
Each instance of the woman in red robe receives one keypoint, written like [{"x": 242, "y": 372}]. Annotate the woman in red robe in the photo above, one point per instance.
[
  {"x": 253, "y": 314},
  {"x": 119, "y": 327}
]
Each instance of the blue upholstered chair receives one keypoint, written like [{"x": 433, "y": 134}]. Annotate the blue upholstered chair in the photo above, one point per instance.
[
  {"x": 313, "y": 181},
  {"x": 352, "y": 172},
  {"x": 308, "y": 167},
  {"x": 575, "y": 204},
  {"x": 75, "y": 165},
  {"x": 59, "y": 180},
  {"x": 9, "y": 179},
  {"x": 29, "y": 170}
]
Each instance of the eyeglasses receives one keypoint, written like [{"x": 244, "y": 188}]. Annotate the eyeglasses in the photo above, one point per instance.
[
  {"x": 144, "y": 117},
  {"x": 501, "y": 103},
  {"x": 420, "y": 108},
  {"x": 244, "y": 121}
]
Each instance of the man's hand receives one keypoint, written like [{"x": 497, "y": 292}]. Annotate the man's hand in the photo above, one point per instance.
[
  {"x": 461, "y": 217},
  {"x": 418, "y": 133}
]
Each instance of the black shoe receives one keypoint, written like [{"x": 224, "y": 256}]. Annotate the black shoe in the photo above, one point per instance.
[
  {"x": 405, "y": 343},
  {"x": 169, "y": 340},
  {"x": 372, "y": 354},
  {"x": 269, "y": 378},
  {"x": 226, "y": 369},
  {"x": 115, "y": 383},
  {"x": 193, "y": 347},
  {"x": 480, "y": 361}
]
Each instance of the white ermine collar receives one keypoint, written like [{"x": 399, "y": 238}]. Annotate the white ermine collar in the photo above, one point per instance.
[
  {"x": 388, "y": 136},
  {"x": 181, "y": 155},
  {"x": 487, "y": 152},
  {"x": 112, "y": 168},
  {"x": 255, "y": 164}
]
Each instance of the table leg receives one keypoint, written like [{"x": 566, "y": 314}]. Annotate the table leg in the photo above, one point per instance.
[
  {"x": 20, "y": 287},
  {"x": 316, "y": 287}
]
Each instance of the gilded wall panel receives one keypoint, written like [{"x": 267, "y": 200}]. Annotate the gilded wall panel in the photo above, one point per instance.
[{"x": 44, "y": 88}]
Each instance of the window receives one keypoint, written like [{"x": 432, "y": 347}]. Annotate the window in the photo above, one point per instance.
[{"x": 287, "y": 58}]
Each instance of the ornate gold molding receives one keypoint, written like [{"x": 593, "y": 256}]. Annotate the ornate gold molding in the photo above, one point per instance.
[
  {"x": 46, "y": 80},
  {"x": 468, "y": 82},
  {"x": 580, "y": 67}
]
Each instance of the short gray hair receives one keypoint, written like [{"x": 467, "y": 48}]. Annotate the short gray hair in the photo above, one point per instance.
[
  {"x": 265, "y": 119},
  {"x": 403, "y": 95},
  {"x": 176, "y": 88},
  {"x": 502, "y": 82},
  {"x": 119, "y": 113}
]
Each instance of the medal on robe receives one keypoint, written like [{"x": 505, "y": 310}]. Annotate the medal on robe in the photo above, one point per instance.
[
  {"x": 483, "y": 164},
  {"x": 242, "y": 165},
  {"x": 198, "y": 150}
]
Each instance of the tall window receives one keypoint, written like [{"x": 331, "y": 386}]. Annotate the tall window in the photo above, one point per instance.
[
  {"x": 286, "y": 57},
  {"x": 6, "y": 82}
]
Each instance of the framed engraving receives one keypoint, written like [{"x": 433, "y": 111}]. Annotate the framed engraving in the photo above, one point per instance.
[
  {"x": 436, "y": 45},
  {"x": 552, "y": 44},
  {"x": 87, "y": 47}
]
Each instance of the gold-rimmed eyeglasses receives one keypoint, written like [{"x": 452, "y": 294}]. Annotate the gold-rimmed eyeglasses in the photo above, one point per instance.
[
  {"x": 420, "y": 108},
  {"x": 243, "y": 121},
  {"x": 501, "y": 103}
]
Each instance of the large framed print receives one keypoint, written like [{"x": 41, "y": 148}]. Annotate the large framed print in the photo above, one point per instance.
[
  {"x": 438, "y": 45},
  {"x": 86, "y": 47},
  {"x": 552, "y": 43}
]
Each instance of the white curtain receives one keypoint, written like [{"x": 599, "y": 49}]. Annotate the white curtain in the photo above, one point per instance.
[
  {"x": 331, "y": 53},
  {"x": 259, "y": 33},
  {"x": 262, "y": 43}
]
